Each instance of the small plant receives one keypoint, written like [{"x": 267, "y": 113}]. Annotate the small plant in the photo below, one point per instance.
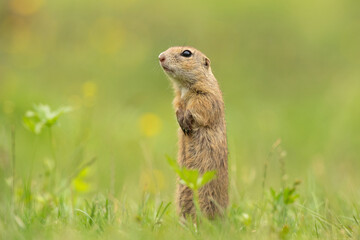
[
  {"x": 285, "y": 196},
  {"x": 35, "y": 120},
  {"x": 150, "y": 215},
  {"x": 281, "y": 202},
  {"x": 192, "y": 179}
]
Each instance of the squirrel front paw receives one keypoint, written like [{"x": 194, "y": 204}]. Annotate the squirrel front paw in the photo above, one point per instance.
[{"x": 185, "y": 120}]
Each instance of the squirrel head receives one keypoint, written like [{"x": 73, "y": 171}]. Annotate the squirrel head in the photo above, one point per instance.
[{"x": 185, "y": 65}]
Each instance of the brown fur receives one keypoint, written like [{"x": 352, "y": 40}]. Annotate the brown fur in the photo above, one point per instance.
[{"x": 202, "y": 134}]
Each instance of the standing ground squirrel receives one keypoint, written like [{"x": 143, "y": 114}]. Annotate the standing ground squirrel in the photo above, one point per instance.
[{"x": 202, "y": 135}]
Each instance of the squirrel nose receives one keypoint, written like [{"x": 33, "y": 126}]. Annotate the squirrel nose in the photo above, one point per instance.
[{"x": 162, "y": 57}]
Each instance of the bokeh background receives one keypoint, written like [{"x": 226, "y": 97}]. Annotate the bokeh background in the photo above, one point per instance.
[{"x": 288, "y": 70}]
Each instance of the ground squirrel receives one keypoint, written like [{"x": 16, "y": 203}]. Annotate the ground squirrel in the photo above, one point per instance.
[{"x": 202, "y": 134}]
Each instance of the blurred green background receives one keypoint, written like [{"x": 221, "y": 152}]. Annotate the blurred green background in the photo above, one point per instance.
[{"x": 288, "y": 70}]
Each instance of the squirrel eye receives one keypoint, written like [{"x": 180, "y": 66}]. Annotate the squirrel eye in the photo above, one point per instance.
[{"x": 186, "y": 53}]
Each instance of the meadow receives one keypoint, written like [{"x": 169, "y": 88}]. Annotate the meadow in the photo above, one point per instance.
[{"x": 86, "y": 120}]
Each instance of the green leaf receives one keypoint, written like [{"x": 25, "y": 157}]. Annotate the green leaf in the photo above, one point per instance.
[
  {"x": 29, "y": 124},
  {"x": 205, "y": 178},
  {"x": 273, "y": 193},
  {"x": 190, "y": 177},
  {"x": 42, "y": 116},
  {"x": 171, "y": 162},
  {"x": 174, "y": 166}
]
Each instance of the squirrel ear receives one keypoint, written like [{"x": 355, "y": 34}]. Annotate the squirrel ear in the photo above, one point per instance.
[{"x": 207, "y": 62}]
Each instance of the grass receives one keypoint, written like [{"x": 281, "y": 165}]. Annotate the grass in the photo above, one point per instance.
[{"x": 54, "y": 206}]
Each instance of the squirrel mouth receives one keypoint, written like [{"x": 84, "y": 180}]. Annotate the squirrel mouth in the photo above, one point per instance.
[{"x": 166, "y": 68}]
